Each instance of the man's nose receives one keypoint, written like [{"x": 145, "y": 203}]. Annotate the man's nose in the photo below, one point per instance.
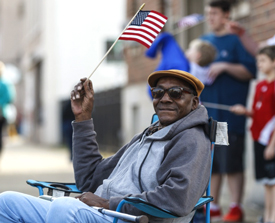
[{"x": 166, "y": 97}]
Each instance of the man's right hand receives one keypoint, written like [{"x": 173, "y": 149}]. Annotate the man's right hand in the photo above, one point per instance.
[
  {"x": 235, "y": 28},
  {"x": 82, "y": 100},
  {"x": 93, "y": 200}
]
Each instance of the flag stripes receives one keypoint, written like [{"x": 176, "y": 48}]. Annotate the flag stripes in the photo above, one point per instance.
[
  {"x": 144, "y": 30},
  {"x": 155, "y": 20},
  {"x": 145, "y": 27},
  {"x": 144, "y": 33}
]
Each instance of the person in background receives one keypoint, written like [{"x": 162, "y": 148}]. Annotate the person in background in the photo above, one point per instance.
[
  {"x": 262, "y": 129},
  {"x": 4, "y": 100},
  {"x": 200, "y": 55},
  {"x": 67, "y": 118},
  {"x": 231, "y": 73}
]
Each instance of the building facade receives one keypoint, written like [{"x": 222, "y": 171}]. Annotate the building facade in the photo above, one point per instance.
[{"x": 54, "y": 44}]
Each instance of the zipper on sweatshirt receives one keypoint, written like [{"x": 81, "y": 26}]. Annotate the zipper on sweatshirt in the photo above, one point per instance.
[{"x": 120, "y": 174}]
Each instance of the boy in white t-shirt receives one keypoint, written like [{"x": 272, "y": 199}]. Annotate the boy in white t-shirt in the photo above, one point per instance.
[{"x": 200, "y": 54}]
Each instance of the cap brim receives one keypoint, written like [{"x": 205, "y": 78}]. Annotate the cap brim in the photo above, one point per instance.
[{"x": 185, "y": 76}]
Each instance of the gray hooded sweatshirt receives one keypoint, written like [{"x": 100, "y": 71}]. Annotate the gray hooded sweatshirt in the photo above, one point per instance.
[{"x": 169, "y": 169}]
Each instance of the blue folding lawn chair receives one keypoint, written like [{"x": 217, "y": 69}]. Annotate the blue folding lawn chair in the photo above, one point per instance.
[{"x": 56, "y": 189}]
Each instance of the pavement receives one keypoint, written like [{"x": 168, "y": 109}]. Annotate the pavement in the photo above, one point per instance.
[{"x": 21, "y": 160}]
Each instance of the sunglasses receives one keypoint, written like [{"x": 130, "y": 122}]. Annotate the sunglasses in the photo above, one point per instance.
[{"x": 173, "y": 92}]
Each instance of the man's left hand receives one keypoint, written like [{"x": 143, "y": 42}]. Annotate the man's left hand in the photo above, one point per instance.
[
  {"x": 93, "y": 200},
  {"x": 216, "y": 69}
]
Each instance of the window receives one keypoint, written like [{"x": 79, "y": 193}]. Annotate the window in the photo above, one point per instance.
[
  {"x": 116, "y": 54},
  {"x": 240, "y": 9}
]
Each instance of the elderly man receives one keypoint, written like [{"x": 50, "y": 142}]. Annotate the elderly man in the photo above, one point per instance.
[{"x": 168, "y": 164}]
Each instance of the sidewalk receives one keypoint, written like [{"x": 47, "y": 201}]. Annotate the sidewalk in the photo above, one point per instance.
[{"x": 21, "y": 161}]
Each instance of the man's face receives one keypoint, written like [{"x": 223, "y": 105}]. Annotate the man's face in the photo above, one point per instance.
[
  {"x": 169, "y": 109},
  {"x": 216, "y": 18}
]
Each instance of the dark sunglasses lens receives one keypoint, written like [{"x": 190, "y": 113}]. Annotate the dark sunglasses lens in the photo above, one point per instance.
[
  {"x": 157, "y": 93},
  {"x": 174, "y": 93}
]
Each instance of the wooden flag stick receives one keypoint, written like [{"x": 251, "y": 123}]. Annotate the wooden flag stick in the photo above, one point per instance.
[
  {"x": 141, "y": 7},
  {"x": 216, "y": 106}
]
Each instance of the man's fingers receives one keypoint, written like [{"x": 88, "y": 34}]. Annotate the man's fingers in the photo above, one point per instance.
[
  {"x": 91, "y": 85},
  {"x": 83, "y": 79},
  {"x": 82, "y": 88},
  {"x": 78, "y": 91},
  {"x": 88, "y": 86},
  {"x": 73, "y": 95},
  {"x": 80, "y": 84}
]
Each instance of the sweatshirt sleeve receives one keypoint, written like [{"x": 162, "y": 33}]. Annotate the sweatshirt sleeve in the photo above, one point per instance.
[
  {"x": 183, "y": 175},
  {"x": 90, "y": 169}
]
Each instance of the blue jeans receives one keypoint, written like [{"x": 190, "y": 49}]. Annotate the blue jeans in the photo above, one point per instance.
[{"x": 18, "y": 207}]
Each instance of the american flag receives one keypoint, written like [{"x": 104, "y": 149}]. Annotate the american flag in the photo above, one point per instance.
[
  {"x": 190, "y": 20},
  {"x": 145, "y": 27}
]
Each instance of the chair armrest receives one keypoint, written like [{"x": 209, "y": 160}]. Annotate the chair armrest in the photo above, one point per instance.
[
  {"x": 202, "y": 201},
  {"x": 146, "y": 207},
  {"x": 156, "y": 211},
  {"x": 67, "y": 188}
]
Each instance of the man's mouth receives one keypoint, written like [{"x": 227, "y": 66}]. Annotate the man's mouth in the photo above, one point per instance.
[{"x": 166, "y": 109}]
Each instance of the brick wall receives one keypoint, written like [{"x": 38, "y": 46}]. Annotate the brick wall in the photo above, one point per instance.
[{"x": 261, "y": 22}]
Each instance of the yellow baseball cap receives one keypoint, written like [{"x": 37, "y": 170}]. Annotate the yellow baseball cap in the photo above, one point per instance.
[{"x": 191, "y": 79}]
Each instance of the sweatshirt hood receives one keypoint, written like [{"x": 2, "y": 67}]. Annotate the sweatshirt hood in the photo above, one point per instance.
[{"x": 197, "y": 117}]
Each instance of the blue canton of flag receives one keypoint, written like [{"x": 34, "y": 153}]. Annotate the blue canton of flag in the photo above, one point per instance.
[{"x": 141, "y": 16}]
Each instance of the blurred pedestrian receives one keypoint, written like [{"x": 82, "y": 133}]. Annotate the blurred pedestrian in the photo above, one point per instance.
[
  {"x": 67, "y": 118},
  {"x": 263, "y": 125},
  {"x": 4, "y": 101},
  {"x": 232, "y": 71}
]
